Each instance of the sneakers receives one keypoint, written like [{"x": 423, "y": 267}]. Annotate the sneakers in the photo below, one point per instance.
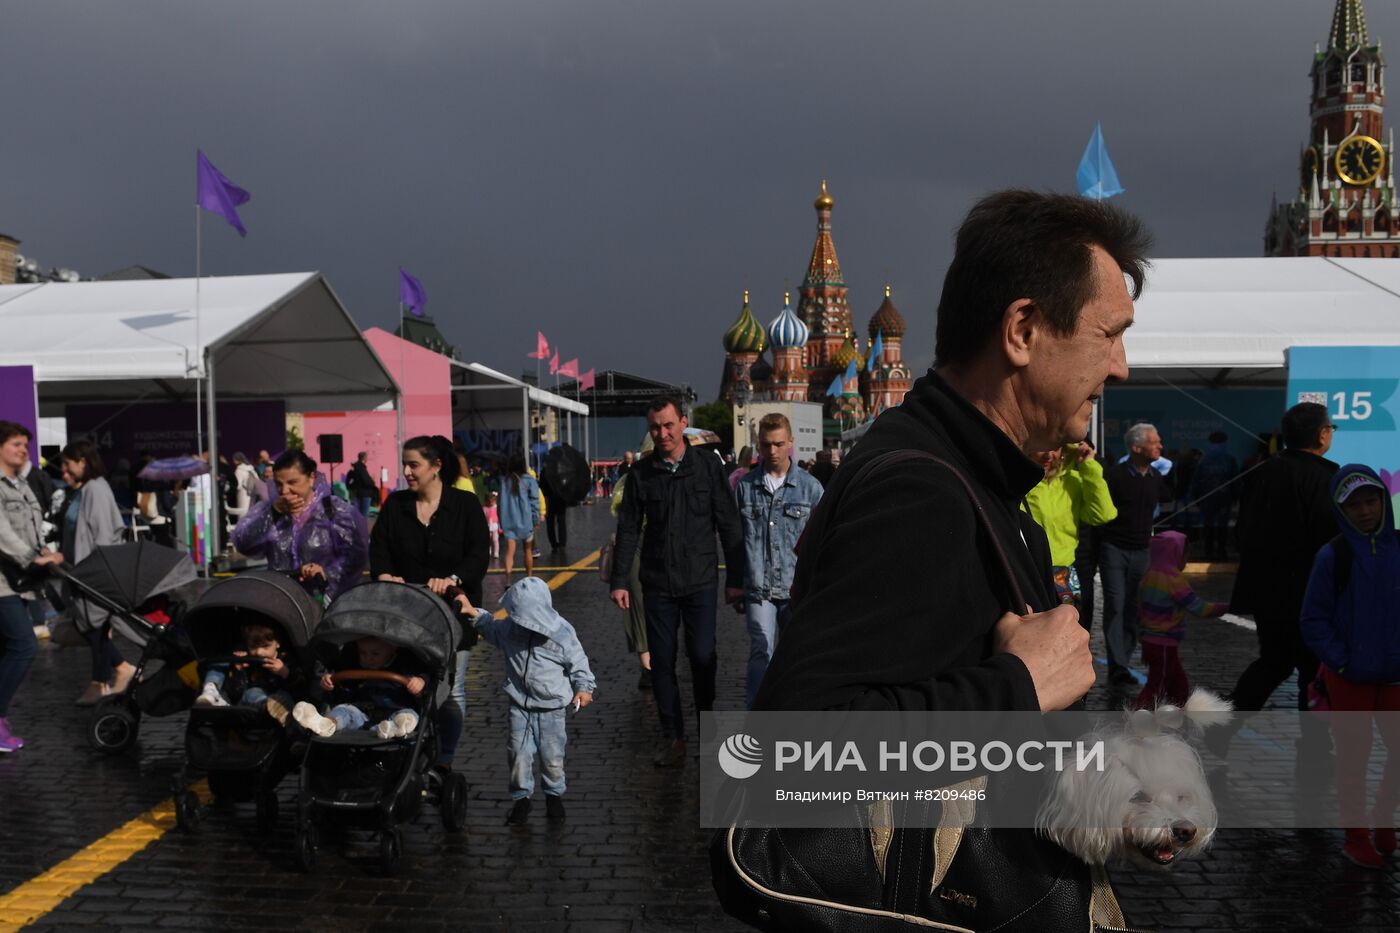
[
  {"x": 1385, "y": 840},
  {"x": 672, "y": 754},
  {"x": 276, "y": 707},
  {"x": 312, "y": 721},
  {"x": 402, "y": 724},
  {"x": 519, "y": 811},
  {"x": 554, "y": 808},
  {"x": 94, "y": 694},
  {"x": 8, "y": 741},
  {"x": 210, "y": 696},
  {"x": 1359, "y": 851}
]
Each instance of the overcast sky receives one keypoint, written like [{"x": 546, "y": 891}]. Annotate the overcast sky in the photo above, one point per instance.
[{"x": 614, "y": 172}]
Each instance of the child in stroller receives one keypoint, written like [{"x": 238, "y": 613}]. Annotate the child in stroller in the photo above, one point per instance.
[
  {"x": 355, "y": 701},
  {"x": 263, "y": 682}
]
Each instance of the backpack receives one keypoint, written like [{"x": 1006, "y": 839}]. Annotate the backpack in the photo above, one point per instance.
[{"x": 1342, "y": 559}]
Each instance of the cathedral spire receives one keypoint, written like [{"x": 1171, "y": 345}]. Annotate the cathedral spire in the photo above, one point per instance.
[
  {"x": 1348, "y": 26},
  {"x": 824, "y": 268}
]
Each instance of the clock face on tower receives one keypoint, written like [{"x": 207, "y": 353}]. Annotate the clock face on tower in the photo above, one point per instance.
[
  {"x": 1310, "y": 164},
  {"x": 1359, "y": 160}
]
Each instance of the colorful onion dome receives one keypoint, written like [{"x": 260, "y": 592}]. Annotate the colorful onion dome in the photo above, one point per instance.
[
  {"x": 824, "y": 201},
  {"x": 745, "y": 335},
  {"x": 887, "y": 319},
  {"x": 848, "y": 351},
  {"x": 787, "y": 330}
]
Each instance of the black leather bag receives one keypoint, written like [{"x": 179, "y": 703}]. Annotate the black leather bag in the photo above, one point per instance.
[{"x": 881, "y": 873}]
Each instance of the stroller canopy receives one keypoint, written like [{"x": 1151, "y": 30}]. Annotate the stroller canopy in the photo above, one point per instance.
[
  {"x": 402, "y": 614},
  {"x": 123, "y": 576},
  {"x": 259, "y": 596}
]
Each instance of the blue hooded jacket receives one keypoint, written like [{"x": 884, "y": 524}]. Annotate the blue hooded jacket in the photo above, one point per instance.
[
  {"x": 545, "y": 664},
  {"x": 1357, "y": 634}
]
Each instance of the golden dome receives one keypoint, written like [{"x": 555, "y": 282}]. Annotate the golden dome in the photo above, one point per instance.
[
  {"x": 846, "y": 352},
  {"x": 824, "y": 202}
]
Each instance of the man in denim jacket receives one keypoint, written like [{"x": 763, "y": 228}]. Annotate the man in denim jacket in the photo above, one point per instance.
[{"x": 775, "y": 501}]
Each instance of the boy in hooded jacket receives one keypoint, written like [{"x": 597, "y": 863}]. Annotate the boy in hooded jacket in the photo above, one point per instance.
[
  {"x": 547, "y": 672},
  {"x": 1165, "y": 599},
  {"x": 1351, "y": 621}
]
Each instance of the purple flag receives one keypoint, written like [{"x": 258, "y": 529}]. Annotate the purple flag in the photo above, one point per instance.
[
  {"x": 218, "y": 194},
  {"x": 411, "y": 293}
]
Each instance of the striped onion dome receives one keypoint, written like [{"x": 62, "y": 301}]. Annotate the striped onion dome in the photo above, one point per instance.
[
  {"x": 848, "y": 351},
  {"x": 887, "y": 320},
  {"x": 745, "y": 335},
  {"x": 787, "y": 330}
]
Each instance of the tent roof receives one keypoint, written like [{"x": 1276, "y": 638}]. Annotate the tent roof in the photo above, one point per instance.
[
  {"x": 1231, "y": 321},
  {"x": 284, "y": 336},
  {"x": 484, "y": 377}
]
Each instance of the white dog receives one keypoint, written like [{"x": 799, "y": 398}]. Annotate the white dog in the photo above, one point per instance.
[{"x": 1150, "y": 804}]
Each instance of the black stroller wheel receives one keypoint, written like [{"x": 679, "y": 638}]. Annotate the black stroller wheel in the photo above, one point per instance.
[
  {"x": 452, "y": 805},
  {"x": 390, "y": 851},
  {"x": 113, "y": 725},
  {"x": 308, "y": 843},
  {"x": 266, "y": 804},
  {"x": 187, "y": 811}
]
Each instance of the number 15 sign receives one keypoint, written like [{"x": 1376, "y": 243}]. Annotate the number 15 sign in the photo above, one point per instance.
[{"x": 1359, "y": 387}]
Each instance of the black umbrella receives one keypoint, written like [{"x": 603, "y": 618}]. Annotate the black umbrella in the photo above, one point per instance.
[{"x": 565, "y": 474}]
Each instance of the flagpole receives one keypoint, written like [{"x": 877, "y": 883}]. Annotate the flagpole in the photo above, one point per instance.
[{"x": 398, "y": 421}]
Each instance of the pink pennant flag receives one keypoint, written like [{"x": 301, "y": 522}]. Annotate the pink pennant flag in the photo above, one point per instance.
[
  {"x": 541, "y": 348},
  {"x": 585, "y": 381},
  {"x": 554, "y": 363},
  {"x": 569, "y": 369}
]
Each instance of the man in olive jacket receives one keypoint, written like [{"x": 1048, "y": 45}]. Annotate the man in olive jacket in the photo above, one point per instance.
[{"x": 685, "y": 499}]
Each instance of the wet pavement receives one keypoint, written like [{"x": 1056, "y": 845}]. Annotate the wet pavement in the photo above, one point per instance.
[{"x": 629, "y": 856}]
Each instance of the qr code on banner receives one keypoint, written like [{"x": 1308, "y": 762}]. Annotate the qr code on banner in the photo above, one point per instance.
[{"x": 1318, "y": 398}]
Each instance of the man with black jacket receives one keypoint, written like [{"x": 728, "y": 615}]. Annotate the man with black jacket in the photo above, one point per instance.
[
  {"x": 685, "y": 499},
  {"x": 903, "y": 604}
]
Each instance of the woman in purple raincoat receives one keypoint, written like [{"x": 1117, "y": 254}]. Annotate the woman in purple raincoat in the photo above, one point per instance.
[{"x": 306, "y": 532}]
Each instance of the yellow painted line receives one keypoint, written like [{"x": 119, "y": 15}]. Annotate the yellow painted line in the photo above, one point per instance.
[
  {"x": 42, "y": 894},
  {"x": 37, "y": 897}
]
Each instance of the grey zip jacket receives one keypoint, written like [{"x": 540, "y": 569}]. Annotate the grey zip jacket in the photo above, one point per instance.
[{"x": 545, "y": 663}]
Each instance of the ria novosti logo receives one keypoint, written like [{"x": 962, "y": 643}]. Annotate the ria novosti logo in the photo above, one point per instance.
[{"x": 740, "y": 756}]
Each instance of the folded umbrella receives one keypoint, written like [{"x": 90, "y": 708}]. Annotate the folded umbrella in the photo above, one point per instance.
[{"x": 173, "y": 468}]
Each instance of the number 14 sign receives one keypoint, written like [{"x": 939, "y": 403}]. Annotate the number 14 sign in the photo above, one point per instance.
[{"x": 1359, "y": 387}]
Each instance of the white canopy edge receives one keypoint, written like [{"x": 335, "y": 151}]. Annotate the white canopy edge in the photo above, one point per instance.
[{"x": 537, "y": 395}]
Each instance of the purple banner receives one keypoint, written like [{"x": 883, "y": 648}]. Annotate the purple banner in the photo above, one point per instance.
[
  {"x": 17, "y": 402},
  {"x": 167, "y": 429}
]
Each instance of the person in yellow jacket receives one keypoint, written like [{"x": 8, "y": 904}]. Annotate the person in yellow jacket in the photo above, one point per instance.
[{"x": 1073, "y": 493}]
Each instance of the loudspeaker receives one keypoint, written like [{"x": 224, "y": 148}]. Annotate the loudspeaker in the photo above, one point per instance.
[{"x": 332, "y": 448}]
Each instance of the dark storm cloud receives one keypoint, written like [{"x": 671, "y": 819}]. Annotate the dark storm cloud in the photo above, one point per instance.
[{"x": 615, "y": 173}]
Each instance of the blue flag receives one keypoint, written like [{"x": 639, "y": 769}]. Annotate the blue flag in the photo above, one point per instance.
[
  {"x": 216, "y": 193},
  {"x": 411, "y": 293},
  {"x": 1097, "y": 177},
  {"x": 876, "y": 350},
  {"x": 835, "y": 387},
  {"x": 851, "y": 371}
]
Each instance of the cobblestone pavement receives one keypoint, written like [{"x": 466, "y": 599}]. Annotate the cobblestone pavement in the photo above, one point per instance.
[{"x": 629, "y": 857}]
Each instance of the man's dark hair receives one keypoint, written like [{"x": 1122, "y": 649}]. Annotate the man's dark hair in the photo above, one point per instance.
[
  {"x": 1303, "y": 424},
  {"x": 661, "y": 401},
  {"x": 85, "y": 452},
  {"x": 9, "y": 429},
  {"x": 1022, "y": 244}
]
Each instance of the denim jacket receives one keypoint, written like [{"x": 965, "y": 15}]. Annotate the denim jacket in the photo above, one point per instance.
[
  {"x": 772, "y": 525},
  {"x": 545, "y": 663}
]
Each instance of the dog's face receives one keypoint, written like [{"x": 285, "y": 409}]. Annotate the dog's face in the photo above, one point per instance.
[{"x": 1169, "y": 814}]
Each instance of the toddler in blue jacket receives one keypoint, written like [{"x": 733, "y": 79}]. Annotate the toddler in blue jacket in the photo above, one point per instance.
[{"x": 547, "y": 673}]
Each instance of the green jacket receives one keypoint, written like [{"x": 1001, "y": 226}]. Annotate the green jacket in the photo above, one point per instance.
[{"x": 1077, "y": 496}]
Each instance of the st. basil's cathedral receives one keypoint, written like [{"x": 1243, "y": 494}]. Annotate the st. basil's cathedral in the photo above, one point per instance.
[{"x": 813, "y": 347}]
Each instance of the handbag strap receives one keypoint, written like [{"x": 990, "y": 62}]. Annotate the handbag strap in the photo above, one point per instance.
[{"x": 894, "y": 458}]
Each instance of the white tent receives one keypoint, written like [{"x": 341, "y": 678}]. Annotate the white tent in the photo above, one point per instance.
[
  {"x": 283, "y": 336},
  {"x": 1224, "y": 322},
  {"x": 484, "y": 396}
]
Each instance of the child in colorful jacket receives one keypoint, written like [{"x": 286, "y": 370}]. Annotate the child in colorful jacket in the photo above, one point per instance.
[{"x": 1165, "y": 599}]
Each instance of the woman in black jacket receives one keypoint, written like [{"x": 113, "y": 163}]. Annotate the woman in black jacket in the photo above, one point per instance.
[{"x": 433, "y": 534}]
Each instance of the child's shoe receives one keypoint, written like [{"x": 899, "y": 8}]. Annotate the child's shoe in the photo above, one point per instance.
[
  {"x": 8, "y": 741},
  {"x": 554, "y": 808},
  {"x": 276, "y": 707},
  {"x": 386, "y": 729},
  {"x": 210, "y": 696},
  {"x": 1359, "y": 850},
  {"x": 519, "y": 811},
  {"x": 1385, "y": 839},
  {"x": 406, "y": 720},
  {"x": 313, "y": 721}
]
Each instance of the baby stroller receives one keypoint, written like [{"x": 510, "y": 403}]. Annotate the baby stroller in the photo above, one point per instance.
[
  {"x": 357, "y": 778},
  {"x": 145, "y": 587},
  {"x": 243, "y": 750}
]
